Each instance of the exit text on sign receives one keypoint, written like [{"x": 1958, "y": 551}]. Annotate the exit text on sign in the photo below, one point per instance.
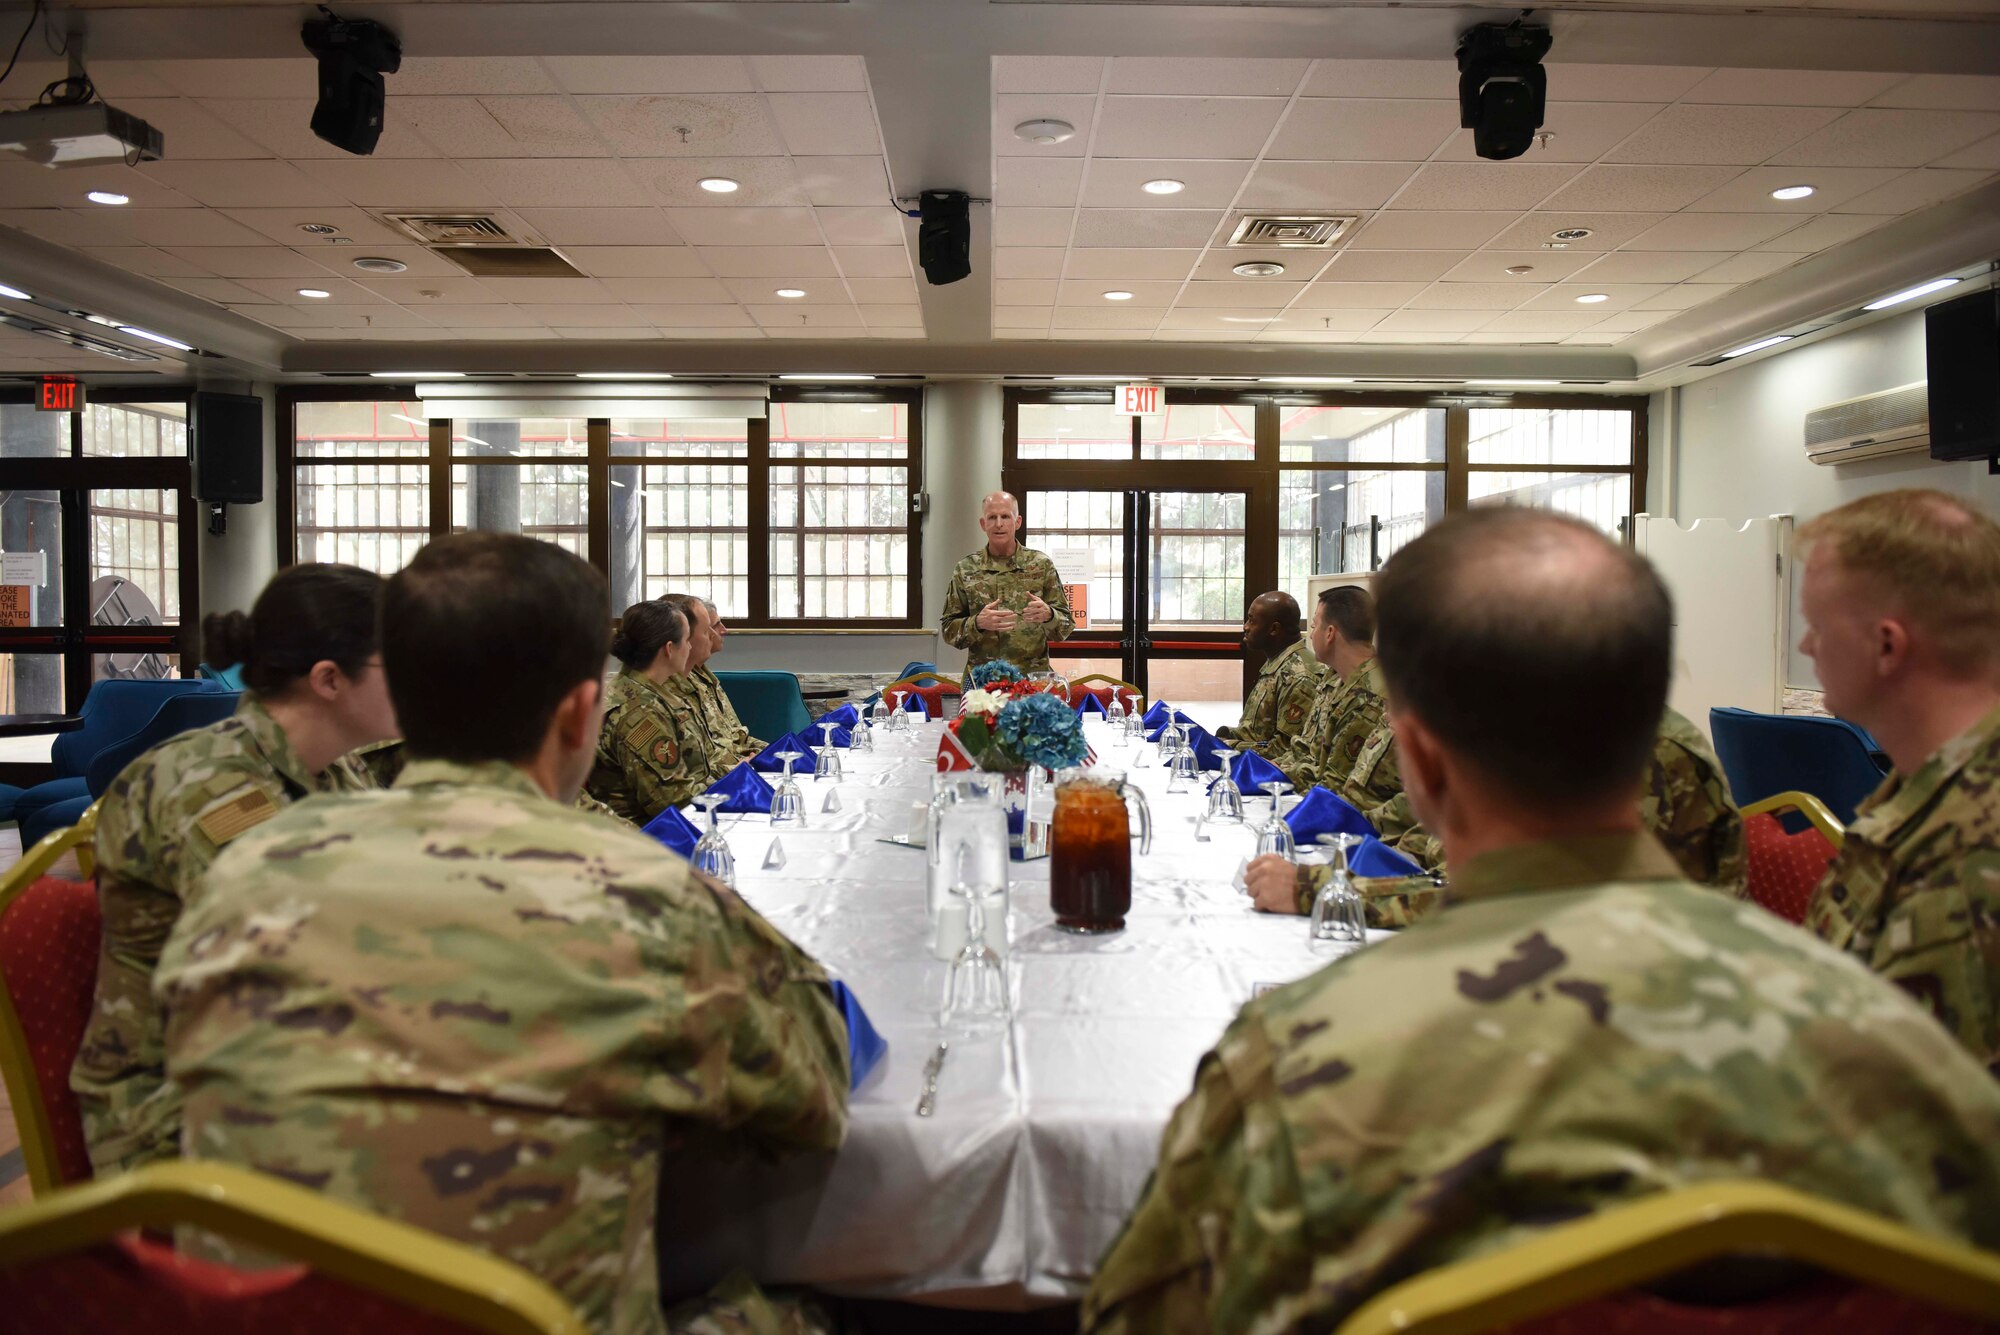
[{"x": 1140, "y": 400}]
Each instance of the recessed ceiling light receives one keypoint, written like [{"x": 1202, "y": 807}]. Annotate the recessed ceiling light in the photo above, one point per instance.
[
  {"x": 623, "y": 375},
  {"x": 1518, "y": 269},
  {"x": 136, "y": 332},
  {"x": 1911, "y": 293},
  {"x": 1306, "y": 380},
  {"x": 318, "y": 229},
  {"x": 418, "y": 375},
  {"x": 1118, "y": 296},
  {"x": 1758, "y": 346},
  {"x": 1570, "y": 234},
  {"x": 791, "y": 293},
  {"x": 14, "y": 292},
  {"x": 1513, "y": 384},
  {"x": 1164, "y": 186},
  {"x": 719, "y": 185},
  {"x": 840, "y": 375},
  {"x": 1792, "y": 192},
  {"x": 315, "y": 292},
  {"x": 1259, "y": 269},
  {"x": 1592, "y": 298},
  {"x": 379, "y": 264},
  {"x": 107, "y": 197},
  {"x": 1045, "y": 130}
]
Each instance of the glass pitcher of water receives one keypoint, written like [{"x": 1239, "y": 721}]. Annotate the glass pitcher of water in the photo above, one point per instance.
[{"x": 968, "y": 835}]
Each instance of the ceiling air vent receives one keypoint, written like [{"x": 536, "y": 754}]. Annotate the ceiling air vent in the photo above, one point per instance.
[
  {"x": 452, "y": 229},
  {"x": 517, "y": 262},
  {"x": 1292, "y": 230}
]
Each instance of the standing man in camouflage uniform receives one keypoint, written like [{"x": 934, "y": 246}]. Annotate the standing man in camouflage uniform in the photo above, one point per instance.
[
  {"x": 315, "y": 691},
  {"x": 1902, "y": 605},
  {"x": 1287, "y": 675},
  {"x": 653, "y": 753},
  {"x": 1582, "y": 1028},
  {"x": 464, "y": 1004},
  {"x": 1347, "y": 703},
  {"x": 1005, "y": 600}
]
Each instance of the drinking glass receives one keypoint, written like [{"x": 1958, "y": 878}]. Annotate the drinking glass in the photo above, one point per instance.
[
  {"x": 826, "y": 764},
  {"x": 878, "y": 713},
  {"x": 975, "y": 991},
  {"x": 1135, "y": 719},
  {"x": 1184, "y": 770},
  {"x": 1339, "y": 921},
  {"x": 1275, "y": 836},
  {"x": 896, "y": 721},
  {"x": 711, "y": 854},
  {"x": 1225, "y": 799},
  {"x": 966, "y": 834},
  {"x": 1114, "y": 713},
  {"x": 788, "y": 804},
  {"x": 861, "y": 737}
]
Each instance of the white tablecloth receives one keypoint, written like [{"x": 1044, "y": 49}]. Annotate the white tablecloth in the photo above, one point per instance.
[{"x": 1043, "y": 1135}]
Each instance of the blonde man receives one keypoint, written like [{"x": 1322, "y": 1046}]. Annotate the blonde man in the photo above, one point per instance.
[{"x": 1901, "y": 597}]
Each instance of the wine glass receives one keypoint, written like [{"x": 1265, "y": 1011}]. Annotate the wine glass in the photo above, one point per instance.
[
  {"x": 788, "y": 804},
  {"x": 1275, "y": 836},
  {"x": 1114, "y": 713},
  {"x": 826, "y": 764},
  {"x": 975, "y": 991},
  {"x": 1339, "y": 920},
  {"x": 1225, "y": 799},
  {"x": 896, "y": 721},
  {"x": 1184, "y": 769},
  {"x": 861, "y": 737},
  {"x": 711, "y": 855}
]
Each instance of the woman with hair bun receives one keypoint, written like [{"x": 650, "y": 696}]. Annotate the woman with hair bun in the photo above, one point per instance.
[
  {"x": 653, "y": 752},
  {"x": 315, "y": 691}
]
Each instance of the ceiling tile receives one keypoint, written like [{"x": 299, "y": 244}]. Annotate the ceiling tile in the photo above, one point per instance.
[
  {"x": 809, "y": 74},
  {"x": 1618, "y": 297},
  {"x": 284, "y": 224},
  {"x": 553, "y": 182},
  {"x": 880, "y": 225},
  {"x": 1329, "y": 295},
  {"x": 340, "y": 291},
  {"x": 1945, "y": 92},
  {"x": 1206, "y": 76},
  {"x": 114, "y": 79},
  {"x": 873, "y": 261},
  {"x": 1222, "y": 320},
  {"x": 1320, "y": 129},
  {"x": 651, "y": 74},
  {"x": 297, "y": 76},
  {"x": 1033, "y": 227},
  {"x": 1432, "y": 322},
  {"x": 882, "y": 291},
  {"x": 1607, "y": 231},
  {"x": 892, "y": 317},
  {"x": 1025, "y": 291},
  {"x": 1621, "y": 83},
  {"x": 1824, "y": 231},
  {"x": 28, "y": 185},
  {"x": 717, "y": 125},
  {"x": 192, "y": 132},
  {"x": 1542, "y": 322},
  {"x": 829, "y": 124},
  {"x": 599, "y": 227},
  {"x": 1047, "y": 74},
  {"x": 768, "y": 261},
  {"x": 710, "y": 317},
  {"x": 1430, "y": 231},
  {"x": 1219, "y": 264},
  {"x": 1101, "y": 336},
  {"x": 1649, "y": 189},
  {"x": 1797, "y": 88},
  {"x": 1037, "y": 182},
  {"x": 425, "y": 293},
  {"x": 146, "y": 260},
  {"x": 1487, "y": 338},
  {"x": 283, "y": 126},
  {"x": 1751, "y": 192},
  {"x": 1914, "y": 190},
  {"x": 1011, "y": 109},
  {"x": 636, "y": 261},
  {"x": 746, "y": 226},
  {"x": 1684, "y": 296},
  {"x": 491, "y": 316},
  {"x": 1390, "y": 266},
  {"x": 1087, "y": 292},
  {"x": 1116, "y": 182},
  {"x": 1239, "y": 292},
  {"x": 406, "y": 183},
  {"x": 563, "y": 316},
  {"x": 1713, "y": 135},
  {"x": 1383, "y": 78},
  {"x": 1482, "y": 185},
  {"x": 1544, "y": 266},
  {"x": 1630, "y": 322},
  {"x": 1748, "y": 267},
  {"x": 762, "y": 180},
  {"x": 1185, "y": 127},
  {"x": 251, "y": 262},
  {"x": 1286, "y": 334},
  {"x": 218, "y": 290},
  {"x": 503, "y": 127},
  {"x": 1879, "y": 137},
  {"x": 105, "y": 227},
  {"x": 1330, "y": 186},
  {"x": 1643, "y": 266},
  {"x": 564, "y": 291},
  {"x": 677, "y": 291},
  {"x": 1030, "y": 262},
  {"x": 1984, "y": 155},
  {"x": 1710, "y": 231},
  {"x": 1578, "y": 132},
  {"x": 849, "y": 181},
  {"x": 1143, "y": 227},
  {"x": 445, "y": 75},
  {"x": 1121, "y": 317},
  {"x": 168, "y": 227},
  {"x": 1131, "y": 266},
  {"x": 1023, "y": 317},
  {"x": 1475, "y": 296},
  {"x": 242, "y": 184}
]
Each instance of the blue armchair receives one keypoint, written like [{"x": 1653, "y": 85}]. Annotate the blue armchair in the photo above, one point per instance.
[
  {"x": 1766, "y": 754},
  {"x": 112, "y": 711},
  {"x": 177, "y": 714}
]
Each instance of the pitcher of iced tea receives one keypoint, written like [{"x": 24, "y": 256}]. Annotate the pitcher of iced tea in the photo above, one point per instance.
[{"x": 1090, "y": 849}]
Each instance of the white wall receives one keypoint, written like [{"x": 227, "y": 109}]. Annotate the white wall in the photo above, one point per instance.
[
  {"x": 1737, "y": 439},
  {"x": 962, "y": 429}
]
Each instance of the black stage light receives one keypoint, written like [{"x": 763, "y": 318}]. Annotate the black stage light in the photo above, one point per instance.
[
  {"x": 944, "y": 240},
  {"x": 353, "y": 55},
  {"x": 1502, "y": 87}
]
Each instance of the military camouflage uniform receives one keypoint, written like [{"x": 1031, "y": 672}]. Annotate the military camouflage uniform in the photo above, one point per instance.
[
  {"x": 469, "y": 1008},
  {"x": 1343, "y": 719},
  {"x": 1274, "y": 715},
  {"x": 982, "y": 577},
  {"x": 159, "y": 826},
  {"x": 654, "y": 752},
  {"x": 383, "y": 761},
  {"x": 732, "y": 743},
  {"x": 1584, "y": 1030},
  {"x": 1915, "y": 889}
]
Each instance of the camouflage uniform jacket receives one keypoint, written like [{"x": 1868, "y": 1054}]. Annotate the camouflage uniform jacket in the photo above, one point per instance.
[
  {"x": 980, "y": 578},
  {"x": 1915, "y": 889},
  {"x": 654, "y": 752},
  {"x": 733, "y": 742},
  {"x": 385, "y": 760},
  {"x": 1275, "y": 713},
  {"x": 1686, "y": 805},
  {"x": 1341, "y": 725},
  {"x": 467, "y": 1007},
  {"x": 1583, "y": 1030},
  {"x": 161, "y": 823}
]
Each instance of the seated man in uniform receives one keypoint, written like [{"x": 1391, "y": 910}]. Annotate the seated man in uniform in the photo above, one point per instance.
[
  {"x": 465, "y": 1004},
  {"x": 1347, "y": 701},
  {"x": 727, "y": 737},
  {"x": 712, "y": 684},
  {"x": 1579, "y": 1029},
  {"x": 1902, "y": 605},
  {"x": 1287, "y": 674}
]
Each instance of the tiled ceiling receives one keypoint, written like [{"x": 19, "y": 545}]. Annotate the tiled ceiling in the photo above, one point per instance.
[
  {"x": 1670, "y": 169},
  {"x": 599, "y": 157}
]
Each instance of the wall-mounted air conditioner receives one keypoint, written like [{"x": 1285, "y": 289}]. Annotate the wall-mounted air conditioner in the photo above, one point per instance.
[{"x": 1895, "y": 421}]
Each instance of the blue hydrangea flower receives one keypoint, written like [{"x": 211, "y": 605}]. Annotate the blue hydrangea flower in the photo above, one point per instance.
[
  {"x": 994, "y": 669},
  {"x": 1041, "y": 730}
]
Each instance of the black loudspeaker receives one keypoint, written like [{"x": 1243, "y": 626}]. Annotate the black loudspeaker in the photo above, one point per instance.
[
  {"x": 1962, "y": 359},
  {"x": 944, "y": 240},
  {"x": 353, "y": 57},
  {"x": 226, "y": 436}
]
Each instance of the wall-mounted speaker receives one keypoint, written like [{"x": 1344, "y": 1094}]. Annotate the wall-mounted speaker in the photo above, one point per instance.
[
  {"x": 944, "y": 239},
  {"x": 1962, "y": 358},
  {"x": 226, "y": 438}
]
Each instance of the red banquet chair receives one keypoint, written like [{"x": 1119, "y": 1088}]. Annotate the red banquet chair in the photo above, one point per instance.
[
  {"x": 49, "y": 930},
  {"x": 1785, "y": 866},
  {"x": 933, "y": 695},
  {"x": 1101, "y": 688}
]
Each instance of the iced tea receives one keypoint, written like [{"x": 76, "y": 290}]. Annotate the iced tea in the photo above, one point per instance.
[{"x": 1090, "y": 858}]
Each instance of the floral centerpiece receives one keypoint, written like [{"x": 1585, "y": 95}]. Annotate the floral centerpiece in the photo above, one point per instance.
[
  {"x": 995, "y": 671},
  {"x": 1009, "y": 723}
]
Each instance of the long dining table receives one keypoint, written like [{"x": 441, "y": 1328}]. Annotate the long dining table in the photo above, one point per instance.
[{"x": 1044, "y": 1131}]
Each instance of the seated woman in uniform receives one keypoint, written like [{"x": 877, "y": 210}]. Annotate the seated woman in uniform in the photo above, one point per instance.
[
  {"x": 653, "y": 753},
  {"x": 315, "y": 691}
]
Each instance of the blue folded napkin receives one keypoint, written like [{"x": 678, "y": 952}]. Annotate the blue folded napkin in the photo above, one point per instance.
[
  {"x": 1323, "y": 812},
  {"x": 1251, "y": 772},
  {"x": 1156, "y": 715},
  {"x": 915, "y": 704},
  {"x": 865, "y": 1047},
  {"x": 1089, "y": 704},
  {"x": 674, "y": 830},
  {"x": 839, "y": 737},
  {"x": 746, "y": 790},
  {"x": 847, "y": 716},
  {"x": 1205, "y": 746},
  {"x": 1372, "y": 857},
  {"x": 767, "y": 762},
  {"x": 1153, "y": 730}
]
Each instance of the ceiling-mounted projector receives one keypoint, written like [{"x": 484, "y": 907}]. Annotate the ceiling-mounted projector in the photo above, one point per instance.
[{"x": 78, "y": 136}]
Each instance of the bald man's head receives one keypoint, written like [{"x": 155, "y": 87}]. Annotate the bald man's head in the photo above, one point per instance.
[
  {"x": 1532, "y": 647},
  {"x": 1000, "y": 521},
  {"x": 1271, "y": 625}
]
